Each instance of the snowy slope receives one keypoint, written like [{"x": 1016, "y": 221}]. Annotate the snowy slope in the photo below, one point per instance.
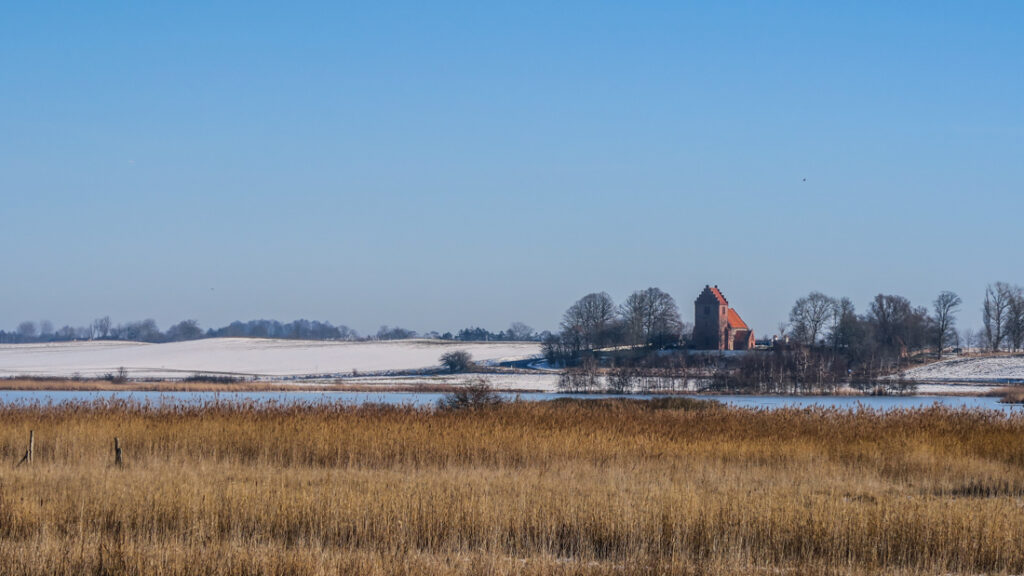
[
  {"x": 991, "y": 369},
  {"x": 506, "y": 382},
  {"x": 244, "y": 356}
]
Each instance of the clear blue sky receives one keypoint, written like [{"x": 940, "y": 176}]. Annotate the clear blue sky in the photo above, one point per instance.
[{"x": 437, "y": 165}]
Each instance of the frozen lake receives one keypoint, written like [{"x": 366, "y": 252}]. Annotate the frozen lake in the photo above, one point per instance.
[{"x": 425, "y": 399}]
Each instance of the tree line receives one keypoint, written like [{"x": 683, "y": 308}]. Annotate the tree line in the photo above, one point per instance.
[
  {"x": 1003, "y": 317},
  {"x": 893, "y": 328},
  {"x": 148, "y": 331}
]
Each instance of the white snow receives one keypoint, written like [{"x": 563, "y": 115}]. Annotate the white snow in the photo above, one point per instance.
[
  {"x": 245, "y": 356},
  {"x": 506, "y": 382},
  {"x": 928, "y": 389},
  {"x": 977, "y": 369}
]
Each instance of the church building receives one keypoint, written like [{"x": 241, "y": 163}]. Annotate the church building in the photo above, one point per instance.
[{"x": 716, "y": 326}]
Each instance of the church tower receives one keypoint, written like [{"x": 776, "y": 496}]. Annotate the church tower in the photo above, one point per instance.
[{"x": 710, "y": 319}]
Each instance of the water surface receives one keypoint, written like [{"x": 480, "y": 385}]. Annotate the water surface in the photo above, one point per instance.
[{"x": 426, "y": 398}]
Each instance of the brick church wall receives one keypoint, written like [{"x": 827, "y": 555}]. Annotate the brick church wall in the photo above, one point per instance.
[{"x": 711, "y": 313}]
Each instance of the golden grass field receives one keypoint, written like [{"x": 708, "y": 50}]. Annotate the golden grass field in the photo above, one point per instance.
[{"x": 567, "y": 487}]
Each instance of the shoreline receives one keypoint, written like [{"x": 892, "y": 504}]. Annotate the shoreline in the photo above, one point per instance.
[{"x": 963, "y": 389}]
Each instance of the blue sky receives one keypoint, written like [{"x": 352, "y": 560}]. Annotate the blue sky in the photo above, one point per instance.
[{"x": 438, "y": 165}]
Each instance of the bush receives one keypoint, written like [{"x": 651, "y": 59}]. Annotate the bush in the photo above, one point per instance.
[
  {"x": 476, "y": 394},
  {"x": 120, "y": 377},
  {"x": 583, "y": 378},
  {"x": 212, "y": 378},
  {"x": 457, "y": 360}
]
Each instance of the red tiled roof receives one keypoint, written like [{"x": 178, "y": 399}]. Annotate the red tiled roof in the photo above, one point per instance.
[{"x": 735, "y": 322}]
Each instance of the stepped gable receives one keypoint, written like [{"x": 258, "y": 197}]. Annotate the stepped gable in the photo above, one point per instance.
[{"x": 716, "y": 294}]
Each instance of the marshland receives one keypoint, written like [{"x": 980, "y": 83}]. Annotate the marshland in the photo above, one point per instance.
[{"x": 671, "y": 485}]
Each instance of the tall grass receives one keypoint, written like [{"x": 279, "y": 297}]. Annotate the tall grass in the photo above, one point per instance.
[
  {"x": 1010, "y": 394},
  {"x": 567, "y": 487}
]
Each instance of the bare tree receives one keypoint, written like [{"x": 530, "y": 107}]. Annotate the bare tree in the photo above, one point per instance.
[
  {"x": 898, "y": 327},
  {"x": 809, "y": 316},
  {"x": 582, "y": 378},
  {"x": 27, "y": 330},
  {"x": 590, "y": 320},
  {"x": 783, "y": 328},
  {"x": 945, "y": 306},
  {"x": 45, "y": 328},
  {"x": 1015, "y": 318},
  {"x": 184, "y": 330},
  {"x": 686, "y": 332},
  {"x": 843, "y": 315},
  {"x": 144, "y": 331},
  {"x": 994, "y": 313},
  {"x": 967, "y": 336},
  {"x": 101, "y": 327},
  {"x": 346, "y": 333},
  {"x": 520, "y": 331},
  {"x": 388, "y": 333},
  {"x": 559, "y": 349},
  {"x": 651, "y": 317}
]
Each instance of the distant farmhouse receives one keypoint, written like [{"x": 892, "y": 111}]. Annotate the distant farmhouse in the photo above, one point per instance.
[{"x": 718, "y": 327}]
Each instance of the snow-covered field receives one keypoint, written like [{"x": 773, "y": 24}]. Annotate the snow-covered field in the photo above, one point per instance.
[
  {"x": 390, "y": 363},
  {"x": 245, "y": 356},
  {"x": 506, "y": 382},
  {"x": 981, "y": 370}
]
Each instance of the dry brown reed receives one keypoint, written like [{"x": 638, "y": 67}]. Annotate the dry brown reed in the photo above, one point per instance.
[
  {"x": 567, "y": 487},
  {"x": 1010, "y": 394}
]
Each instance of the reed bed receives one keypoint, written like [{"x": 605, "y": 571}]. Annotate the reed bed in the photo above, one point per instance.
[
  {"x": 1010, "y": 394},
  {"x": 566, "y": 487}
]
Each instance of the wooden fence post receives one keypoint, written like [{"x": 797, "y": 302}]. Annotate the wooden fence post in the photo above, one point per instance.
[
  {"x": 118, "y": 460},
  {"x": 27, "y": 458}
]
